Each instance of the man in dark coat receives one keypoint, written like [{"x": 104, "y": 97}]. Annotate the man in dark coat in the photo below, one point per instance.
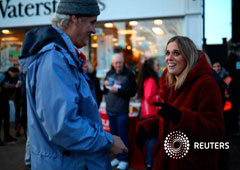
[{"x": 119, "y": 86}]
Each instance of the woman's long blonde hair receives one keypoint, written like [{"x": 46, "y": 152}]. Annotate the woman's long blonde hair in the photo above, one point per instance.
[{"x": 191, "y": 55}]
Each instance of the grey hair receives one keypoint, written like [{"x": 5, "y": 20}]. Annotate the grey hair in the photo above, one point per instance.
[
  {"x": 60, "y": 20},
  {"x": 63, "y": 20}
]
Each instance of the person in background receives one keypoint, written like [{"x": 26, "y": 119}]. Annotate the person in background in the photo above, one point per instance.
[
  {"x": 221, "y": 71},
  {"x": 223, "y": 154},
  {"x": 119, "y": 87},
  {"x": 234, "y": 90},
  {"x": 225, "y": 83},
  {"x": 192, "y": 105},
  {"x": 92, "y": 75},
  {"x": 148, "y": 93},
  {"x": 216, "y": 76},
  {"x": 64, "y": 125},
  {"x": 19, "y": 98},
  {"x": 8, "y": 84},
  {"x": 217, "y": 67}
]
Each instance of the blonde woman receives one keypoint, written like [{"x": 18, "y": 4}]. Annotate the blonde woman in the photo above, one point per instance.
[{"x": 192, "y": 106}]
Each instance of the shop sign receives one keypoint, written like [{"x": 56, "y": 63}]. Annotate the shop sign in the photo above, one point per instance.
[
  {"x": 25, "y": 12},
  {"x": 15, "y": 13},
  {"x": 142, "y": 9},
  {"x": 21, "y": 13},
  {"x": 9, "y": 10}
]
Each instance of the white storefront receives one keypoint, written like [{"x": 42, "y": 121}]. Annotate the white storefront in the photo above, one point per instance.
[{"x": 141, "y": 26}]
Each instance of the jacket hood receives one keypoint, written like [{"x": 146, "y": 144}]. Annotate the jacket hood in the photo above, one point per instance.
[
  {"x": 201, "y": 68},
  {"x": 37, "y": 38}
]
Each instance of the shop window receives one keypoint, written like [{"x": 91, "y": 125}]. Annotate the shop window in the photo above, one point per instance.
[
  {"x": 137, "y": 40},
  {"x": 10, "y": 44}
]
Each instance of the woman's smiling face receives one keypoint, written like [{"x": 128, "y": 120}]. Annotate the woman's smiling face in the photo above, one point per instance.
[{"x": 175, "y": 61}]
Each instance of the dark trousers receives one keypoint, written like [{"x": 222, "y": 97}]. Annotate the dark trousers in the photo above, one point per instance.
[
  {"x": 17, "y": 113},
  {"x": 119, "y": 127},
  {"x": 4, "y": 116},
  {"x": 149, "y": 148},
  {"x": 20, "y": 116}
]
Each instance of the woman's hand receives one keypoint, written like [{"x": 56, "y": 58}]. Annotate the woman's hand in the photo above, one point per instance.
[{"x": 169, "y": 113}]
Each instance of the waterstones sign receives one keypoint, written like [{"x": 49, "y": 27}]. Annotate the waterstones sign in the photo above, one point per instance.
[
  {"x": 9, "y": 10},
  {"x": 18, "y": 13},
  {"x": 23, "y": 13},
  {"x": 15, "y": 13}
]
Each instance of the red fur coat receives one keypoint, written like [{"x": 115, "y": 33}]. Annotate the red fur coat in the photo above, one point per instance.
[{"x": 199, "y": 100}]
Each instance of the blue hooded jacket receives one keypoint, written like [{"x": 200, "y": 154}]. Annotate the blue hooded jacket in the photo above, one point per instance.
[{"x": 64, "y": 124}]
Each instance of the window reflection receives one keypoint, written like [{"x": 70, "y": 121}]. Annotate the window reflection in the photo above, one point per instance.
[{"x": 138, "y": 40}]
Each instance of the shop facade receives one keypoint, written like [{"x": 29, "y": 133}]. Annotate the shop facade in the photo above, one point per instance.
[{"x": 138, "y": 28}]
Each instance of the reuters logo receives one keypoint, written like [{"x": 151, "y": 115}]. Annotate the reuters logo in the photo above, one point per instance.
[{"x": 176, "y": 145}]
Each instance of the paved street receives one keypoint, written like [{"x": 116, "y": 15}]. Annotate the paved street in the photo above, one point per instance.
[{"x": 12, "y": 155}]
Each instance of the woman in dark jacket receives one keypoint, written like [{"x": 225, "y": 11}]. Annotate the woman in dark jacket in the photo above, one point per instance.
[{"x": 192, "y": 111}]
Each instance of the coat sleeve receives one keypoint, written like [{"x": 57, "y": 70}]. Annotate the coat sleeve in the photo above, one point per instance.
[
  {"x": 150, "y": 91},
  {"x": 205, "y": 123},
  {"x": 105, "y": 90},
  {"x": 131, "y": 90},
  {"x": 57, "y": 105},
  {"x": 151, "y": 125},
  {"x": 164, "y": 89}
]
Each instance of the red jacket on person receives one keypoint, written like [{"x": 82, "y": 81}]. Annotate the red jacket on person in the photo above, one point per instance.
[
  {"x": 199, "y": 100},
  {"x": 150, "y": 96}
]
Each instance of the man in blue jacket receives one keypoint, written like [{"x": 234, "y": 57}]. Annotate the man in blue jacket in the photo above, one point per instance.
[{"x": 64, "y": 125}]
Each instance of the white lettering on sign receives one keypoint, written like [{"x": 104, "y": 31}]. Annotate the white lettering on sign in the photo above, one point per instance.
[{"x": 8, "y": 10}]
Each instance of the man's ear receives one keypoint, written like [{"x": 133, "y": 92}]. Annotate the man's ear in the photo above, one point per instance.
[{"x": 75, "y": 19}]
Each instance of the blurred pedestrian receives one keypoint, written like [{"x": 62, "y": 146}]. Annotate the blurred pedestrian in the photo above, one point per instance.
[
  {"x": 221, "y": 71},
  {"x": 92, "y": 75},
  {"x": 148, "y": 93},
  {"x": 64, "y": 125},
  {"x": 227, "y": 105},
  {"x": 234, "y": 90},
  {"x": 192, "y": 105},
  {"x": 119, "y": 87},
  {"x": 8, "y": 84},
  {"x": 216, "y": 69},
  {"x": 19, "y": 98},
  {"x": 223, "y": 157}
]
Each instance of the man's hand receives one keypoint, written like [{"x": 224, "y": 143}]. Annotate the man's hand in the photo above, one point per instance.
[
  {"x": 113, "y": 89},
  {"x": 19, "y": 84},
  {"x": 118, "y": 146},
  {"x": 106, "y": 83},
  {"x": 169, "y": 113}
]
